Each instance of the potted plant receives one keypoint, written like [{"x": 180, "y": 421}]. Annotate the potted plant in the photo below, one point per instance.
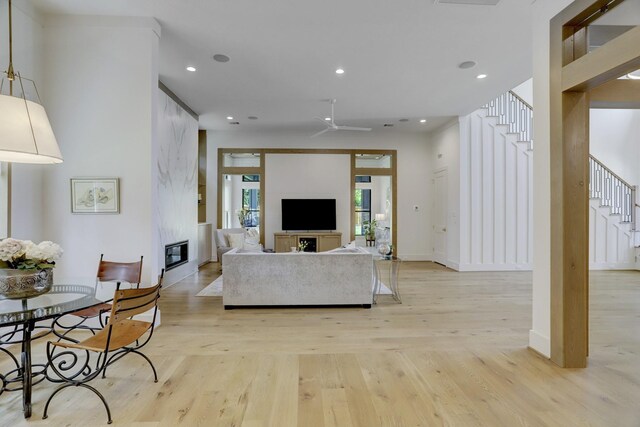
[
  {"x": 243, "y": 215},
  {"x": 369, "y": 228},
  {"x": 26, "y": 269}
]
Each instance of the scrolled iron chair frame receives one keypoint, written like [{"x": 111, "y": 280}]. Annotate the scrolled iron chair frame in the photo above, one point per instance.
[
  {"x": 79, "y": 376},
  {"x": 108, "y": 271}
]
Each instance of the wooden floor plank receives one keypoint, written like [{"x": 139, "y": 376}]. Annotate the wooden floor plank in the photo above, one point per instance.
[{"x": 453, "y": 354}]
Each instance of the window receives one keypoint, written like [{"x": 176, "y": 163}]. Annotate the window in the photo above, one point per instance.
[
  {"x": 250, "y": 178},
  {"x": 363, "y": 178},
  {"x": 363, "y": 209},
  {"x": 251, "y": 204}
]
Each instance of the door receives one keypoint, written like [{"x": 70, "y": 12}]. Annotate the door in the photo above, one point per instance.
[{"x": 440, "y": 217}]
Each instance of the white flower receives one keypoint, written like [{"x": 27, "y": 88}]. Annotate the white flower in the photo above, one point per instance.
[
  {"x": 10, "y": 249},
  {"x": 45, "y": 251}
]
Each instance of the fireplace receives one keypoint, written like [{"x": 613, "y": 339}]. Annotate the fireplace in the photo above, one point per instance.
[{"x": 176, "y": 254}]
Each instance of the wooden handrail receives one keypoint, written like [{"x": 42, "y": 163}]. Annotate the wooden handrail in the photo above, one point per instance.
[
  {"x": 521, "y": 100},
  {"x": 610, "y": 171}
]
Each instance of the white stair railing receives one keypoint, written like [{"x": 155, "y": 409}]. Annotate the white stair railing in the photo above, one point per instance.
[
  {"x": 513, "y": 111},
  {"x": 612, "y": 191}
]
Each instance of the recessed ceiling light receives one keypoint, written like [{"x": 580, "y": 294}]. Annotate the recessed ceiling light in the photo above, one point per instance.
[
  {"x": 190, "y": 68},
  {"x": 481, "y": 76},
  {"x": 252, "y": 118},
  {"x": 423, "y": 120},
  {"x": 467, "y": 64},
  {"x": 220, "y": 57},
  {"x": 229, "y": 117},
  {"x": 339, "y": 71},
  {"x": 328, "y": 119},
  {"x": 403, "y": 120}
]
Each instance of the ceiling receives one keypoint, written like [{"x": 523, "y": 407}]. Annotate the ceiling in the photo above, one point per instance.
[{"x": 400, "y": 57}]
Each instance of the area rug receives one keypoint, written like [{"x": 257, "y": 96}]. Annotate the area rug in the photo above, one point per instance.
[{"x": 214, "y": 289}]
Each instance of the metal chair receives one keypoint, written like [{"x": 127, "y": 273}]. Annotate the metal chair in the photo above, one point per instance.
[
  {"x": 108, "y": 271},
  {"x": 121, "y": 336}
]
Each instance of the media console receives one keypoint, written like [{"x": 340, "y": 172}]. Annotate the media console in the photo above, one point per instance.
[{"x": 324, "y": 241}]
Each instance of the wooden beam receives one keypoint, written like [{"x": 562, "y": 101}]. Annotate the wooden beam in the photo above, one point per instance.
[
  {"x": 620, "y": 94},
  {"x": 620, "y": 56},
  {"x": 575, "y": 219}
]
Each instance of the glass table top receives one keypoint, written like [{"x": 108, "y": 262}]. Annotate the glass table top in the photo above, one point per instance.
[{"x": 63, "y": 298}]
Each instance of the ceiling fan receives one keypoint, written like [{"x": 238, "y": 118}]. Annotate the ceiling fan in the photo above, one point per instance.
[{"x": 332, "y": 126}]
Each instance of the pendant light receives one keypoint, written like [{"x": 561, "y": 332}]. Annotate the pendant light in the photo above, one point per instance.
[{"x": 25, "y": 132}]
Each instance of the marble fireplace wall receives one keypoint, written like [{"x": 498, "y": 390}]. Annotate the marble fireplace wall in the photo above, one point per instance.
[{"x": 177, "y": 184}]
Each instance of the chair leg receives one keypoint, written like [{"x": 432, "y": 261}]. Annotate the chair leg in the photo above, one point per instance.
[
  {"x": 117, "y": 356},
  {"x": 62, "y": 387},
  {"x": 155, "y": 375}
]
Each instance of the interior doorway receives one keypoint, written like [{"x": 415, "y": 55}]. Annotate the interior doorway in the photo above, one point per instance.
[{"x": 440, "y": 203}]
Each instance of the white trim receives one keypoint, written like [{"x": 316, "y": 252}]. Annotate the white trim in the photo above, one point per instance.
[
  {"x": 453, "y": 265},
  {"x": 495, "y": 267},
  {"x": 612, "y": 266},
  {"x": 540, "y": 343},
  {"x": 416, "y": 257}
]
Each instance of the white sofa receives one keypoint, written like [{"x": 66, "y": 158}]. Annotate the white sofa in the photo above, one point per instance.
[{"x": 339, "y": 277}]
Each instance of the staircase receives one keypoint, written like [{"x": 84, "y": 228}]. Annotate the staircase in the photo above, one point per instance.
[{"x": 613, "y": 226}]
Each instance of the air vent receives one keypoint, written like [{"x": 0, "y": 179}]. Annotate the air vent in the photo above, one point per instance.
[
  {"x": 388, "y": 125},
  {"x": 474, "y": 2}
]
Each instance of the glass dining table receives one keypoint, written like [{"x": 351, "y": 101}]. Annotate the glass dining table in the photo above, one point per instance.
[{"x": 24, "y": 320}]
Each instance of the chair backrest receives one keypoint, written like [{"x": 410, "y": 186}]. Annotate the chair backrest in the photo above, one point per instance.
[
  {"x": 129, "y": 302},
  {"x": 130, "y": 272}
]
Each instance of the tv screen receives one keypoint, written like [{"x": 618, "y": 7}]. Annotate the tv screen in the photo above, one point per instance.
[{"x": 309, "y": 214}]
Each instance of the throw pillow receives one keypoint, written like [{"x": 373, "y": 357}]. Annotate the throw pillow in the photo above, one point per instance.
[
  {"x": 236, "y": 240},
  {"x": 253, "y": 233},
  {"x": 251, "y": 246}
]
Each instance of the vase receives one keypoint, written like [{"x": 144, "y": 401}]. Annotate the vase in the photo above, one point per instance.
[{"x": 21, "y": 284}]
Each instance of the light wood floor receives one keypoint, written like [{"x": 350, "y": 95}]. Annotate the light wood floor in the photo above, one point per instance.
[{"x": 453, "y": 354}]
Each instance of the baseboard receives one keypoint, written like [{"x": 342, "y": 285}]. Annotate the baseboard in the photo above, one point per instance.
[
  {"x": 416, "y": 257},
  {"x": 453, "y": 265},
  {"x": 612, "y": 266},
  {"x": 495, "y": 267},
  {"x": 539, "y": 343}
]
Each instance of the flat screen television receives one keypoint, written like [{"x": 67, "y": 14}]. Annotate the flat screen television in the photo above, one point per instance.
[{"x": 308, "y": 214}]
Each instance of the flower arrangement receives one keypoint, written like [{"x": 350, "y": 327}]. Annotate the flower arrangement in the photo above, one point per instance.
[
  {"x": 302, "y": 246},
  {"x": 26, "y": 255}
]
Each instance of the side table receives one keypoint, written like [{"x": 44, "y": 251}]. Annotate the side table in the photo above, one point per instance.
[{"x": 391, "y": 266}]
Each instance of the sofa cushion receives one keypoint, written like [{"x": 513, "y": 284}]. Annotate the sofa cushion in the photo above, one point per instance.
[{"x": 236, "y": 240}]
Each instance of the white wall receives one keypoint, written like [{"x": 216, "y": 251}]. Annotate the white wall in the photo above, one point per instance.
[
  {"x": 539, "y": 336},
  {"x": 525, "y": 91},
  {"x": 614, "y": 139},
  {"x": 99, "y": 90},
  {"x": 445, "y": 154},
  {"x": 495, "y": 196},
  {"x": 176, "y": 184},
  {"x": 307, "y": 176},
  {"x": 414, "y": 173}
]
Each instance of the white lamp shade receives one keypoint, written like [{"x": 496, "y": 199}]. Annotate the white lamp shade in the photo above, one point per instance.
[{"x": 25, "y": 133}]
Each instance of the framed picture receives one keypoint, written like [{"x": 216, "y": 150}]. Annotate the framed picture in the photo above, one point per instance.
[{"x": 95, "y": 195}]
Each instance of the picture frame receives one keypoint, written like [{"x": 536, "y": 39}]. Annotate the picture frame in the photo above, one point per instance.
[{"x": 95, "y": 195}]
